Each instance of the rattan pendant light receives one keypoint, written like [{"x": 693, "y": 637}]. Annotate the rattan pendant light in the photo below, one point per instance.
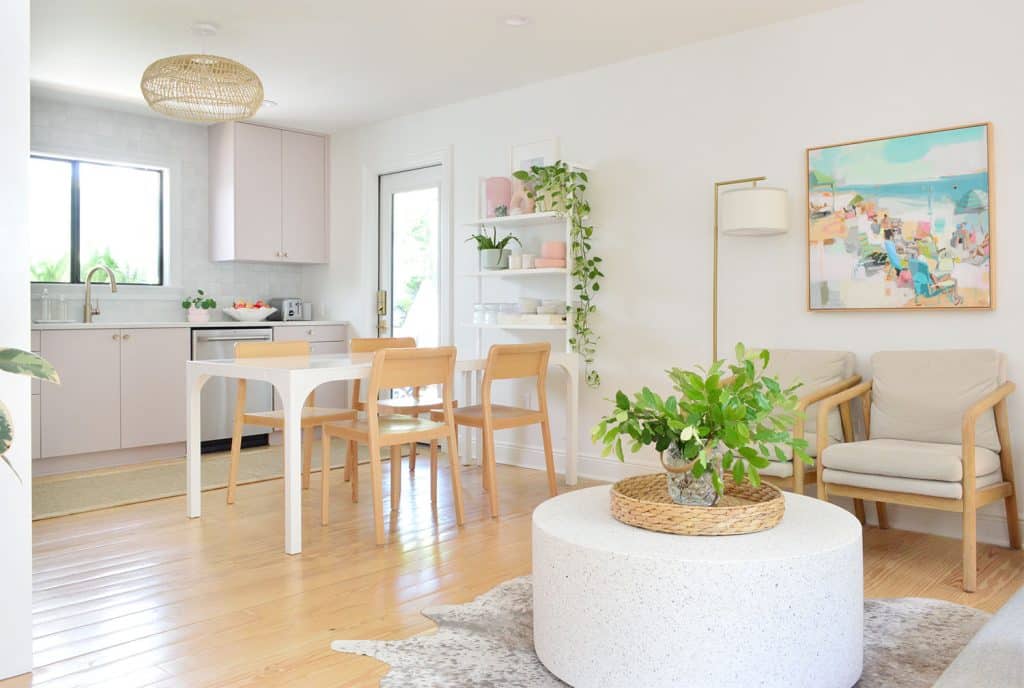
[{"x": 202, "y": 88}]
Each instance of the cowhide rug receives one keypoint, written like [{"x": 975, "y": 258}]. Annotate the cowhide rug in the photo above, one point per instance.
[{"x": 488, "y": 643}]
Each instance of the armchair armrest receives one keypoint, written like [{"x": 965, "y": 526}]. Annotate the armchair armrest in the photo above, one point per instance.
[
  {"x": 816, "y": 396},
  {"x": 971, "y": 415},
  {"x": 825, "y": 407}
]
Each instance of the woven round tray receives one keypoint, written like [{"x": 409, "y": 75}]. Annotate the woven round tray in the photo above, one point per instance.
[{"x": 644, "y": 502}]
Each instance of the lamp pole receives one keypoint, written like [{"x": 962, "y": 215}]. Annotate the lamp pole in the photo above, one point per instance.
[{"x": 714, "y": 289}]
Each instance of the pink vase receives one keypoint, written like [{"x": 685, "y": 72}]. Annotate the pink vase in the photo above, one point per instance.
[{"x": 498, "y": 192}]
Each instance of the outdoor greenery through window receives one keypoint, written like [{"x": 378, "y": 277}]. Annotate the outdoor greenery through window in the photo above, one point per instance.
[{"x": 83, "y": 214}]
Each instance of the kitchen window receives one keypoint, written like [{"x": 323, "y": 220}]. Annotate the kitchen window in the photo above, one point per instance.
[{"x": 84, "y": 213}]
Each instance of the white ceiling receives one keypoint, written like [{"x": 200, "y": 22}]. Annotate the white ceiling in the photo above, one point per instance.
[{"x": 332, "y": 64}]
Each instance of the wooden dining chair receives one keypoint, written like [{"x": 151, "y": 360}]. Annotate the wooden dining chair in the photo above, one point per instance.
[
  {"x": 312, "y": 415},
  {"x": 506, "y": 362},
  {"x": 416, "y": 405},
  {"x": 393, "y": 368}
]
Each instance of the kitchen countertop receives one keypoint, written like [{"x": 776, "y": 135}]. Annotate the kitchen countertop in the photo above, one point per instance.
[{"x": 101, "y": 325}]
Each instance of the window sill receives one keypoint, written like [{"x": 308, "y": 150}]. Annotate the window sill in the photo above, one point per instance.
[{"x": 125, "y": 292}]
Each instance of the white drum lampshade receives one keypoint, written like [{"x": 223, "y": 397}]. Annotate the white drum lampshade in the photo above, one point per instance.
[{"x": 754, "y": 211}]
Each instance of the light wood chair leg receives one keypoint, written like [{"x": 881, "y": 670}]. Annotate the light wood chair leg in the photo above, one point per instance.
[
  {"x": 353, "y": 452},
  {"x": 351, "y": 459},
  {"x": 325, "y": 477},
  {"x": 883, "y": 515},
  {"x": 1013, "y": 521},
  {"x": 492, "y": 485},
  {"x": 433, "y": 472},
  {"x": 236, "y": 440},
  {"x": 549, "y": 458},
  {"x": 453, "y": 461},
  {"x": 858, "y": 509},
  {"x": 484, "y": 466},
  {"x": 307, "y": 457},
  {"x": 396, "y": 476},
  {"x": 378, "y": 491},
  {"x": 412, "y": 458},
  {"x": 970, "y": 544}
]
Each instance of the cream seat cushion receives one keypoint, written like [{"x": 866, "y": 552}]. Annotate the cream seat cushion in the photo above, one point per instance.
[{"x": 923, "y": 468}]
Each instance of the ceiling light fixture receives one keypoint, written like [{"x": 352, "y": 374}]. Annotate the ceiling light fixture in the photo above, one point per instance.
[
  {"x": 202, "y": 88},
  {"x": 516, "y": 20}
]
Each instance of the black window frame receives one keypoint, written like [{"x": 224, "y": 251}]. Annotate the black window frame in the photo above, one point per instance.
[{"x": 74, "y": 266}]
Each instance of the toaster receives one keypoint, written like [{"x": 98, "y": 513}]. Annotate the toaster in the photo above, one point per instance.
[{"x": 287, "y": 309}]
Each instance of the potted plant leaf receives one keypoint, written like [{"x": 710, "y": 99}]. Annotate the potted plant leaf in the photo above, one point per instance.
[
  {"x": 199, "y": 307},
  {"x": 493, "y": 251},
  {"x": 19, "y": 362},
  {"x": 730, "y": 419}
]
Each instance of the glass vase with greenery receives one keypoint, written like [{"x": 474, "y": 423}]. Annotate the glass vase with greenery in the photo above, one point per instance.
[
  {"x": 729, "y": 420},
  {"x": 19, "y": 362}
]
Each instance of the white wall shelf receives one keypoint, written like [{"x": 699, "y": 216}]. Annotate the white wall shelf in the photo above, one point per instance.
[
  {"x": 526, "y": 220},
  {"x": 533, "y": 272}
]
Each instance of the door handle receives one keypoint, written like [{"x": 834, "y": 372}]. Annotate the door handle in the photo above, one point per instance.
[{"x": 382, "y": 302}]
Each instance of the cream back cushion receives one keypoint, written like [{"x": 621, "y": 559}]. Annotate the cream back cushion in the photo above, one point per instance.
[
  {"x": 922, "y": 395},
  {"x": 815, "y": 369}
]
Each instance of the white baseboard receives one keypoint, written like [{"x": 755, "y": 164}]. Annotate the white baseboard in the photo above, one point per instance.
[{"x": 991, "y": 519}]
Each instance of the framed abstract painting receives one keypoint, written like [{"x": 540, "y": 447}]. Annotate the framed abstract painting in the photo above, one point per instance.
[{"x": 901, "y": 222}]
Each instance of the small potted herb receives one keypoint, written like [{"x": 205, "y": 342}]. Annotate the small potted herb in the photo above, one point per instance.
[
  {"x": 199, "y": 307},
  {"x": 728, "y": 420},
  {"x": 493, "y": 252}
]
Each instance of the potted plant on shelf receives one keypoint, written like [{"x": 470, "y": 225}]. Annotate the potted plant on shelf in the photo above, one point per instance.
[
  {"x": 199, "y": 307},
  {"x": 20, "y": 362},
  {"x": 493, "y": 251},
  {"x": 720, "y": 424}
]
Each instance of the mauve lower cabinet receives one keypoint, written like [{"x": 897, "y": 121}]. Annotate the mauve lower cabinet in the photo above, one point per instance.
[
  {"x": 268, "y": 194},
  {"x": 120, "y": 388}
]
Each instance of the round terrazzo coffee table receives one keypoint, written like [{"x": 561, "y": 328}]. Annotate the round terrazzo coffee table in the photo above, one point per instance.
[{"x": 616, "y": 606}]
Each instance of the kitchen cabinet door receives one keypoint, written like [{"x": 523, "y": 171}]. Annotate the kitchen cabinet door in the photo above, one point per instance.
[
  {"x": 153, "y": 386},
  {"x": 303, "y": 197},
  {"x": 257, "y": 176},
  {"x": 83, "y": 413}
]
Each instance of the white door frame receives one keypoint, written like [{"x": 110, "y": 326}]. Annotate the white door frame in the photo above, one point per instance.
[{"x": 446, "y": 235}]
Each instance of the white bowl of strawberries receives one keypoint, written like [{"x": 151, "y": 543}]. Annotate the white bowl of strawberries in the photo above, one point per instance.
[{"x": 249, "y": 312}]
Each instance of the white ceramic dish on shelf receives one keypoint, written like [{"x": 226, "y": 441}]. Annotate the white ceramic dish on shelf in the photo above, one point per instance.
[{"x": 249, "y": 314}]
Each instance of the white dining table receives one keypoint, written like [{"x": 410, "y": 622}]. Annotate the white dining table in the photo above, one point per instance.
[{"x": 294, "y": 377}]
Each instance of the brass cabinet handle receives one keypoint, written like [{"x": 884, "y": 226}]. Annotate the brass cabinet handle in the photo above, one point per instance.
[{"x": 116, "y": 337}]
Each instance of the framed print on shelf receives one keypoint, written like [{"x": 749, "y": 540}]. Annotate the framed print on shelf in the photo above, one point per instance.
[
  {"x": 522, "y": 156},
  {"x": 902, "y": 222}
]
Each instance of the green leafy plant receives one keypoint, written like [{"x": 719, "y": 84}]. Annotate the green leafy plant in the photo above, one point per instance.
[
  {"x": 19, "y": 362},
  {"x": 561, "y": 188},
  {"x": 745, "y": 414},
  {"x": 124, "y": 274},
  {"x": 200, "y": 300},
  {"x": 51, "y": 271},
  {"x": 486, "y": 241}
]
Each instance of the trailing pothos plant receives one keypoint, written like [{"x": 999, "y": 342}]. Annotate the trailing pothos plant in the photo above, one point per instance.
[
  {"x": 20, "y": 363},
  {"x": 742, "y": 415},
  {"x": 559, "y": 187}
]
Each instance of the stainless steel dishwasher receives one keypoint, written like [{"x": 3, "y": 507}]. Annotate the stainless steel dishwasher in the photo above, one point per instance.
[{"x": 218, "y": 409}]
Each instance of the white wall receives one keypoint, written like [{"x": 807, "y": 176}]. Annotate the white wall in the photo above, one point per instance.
[
  {"x": 15, "y": 496},
  {"x": 76, "y": 130},
  {"x": 659, "y": 130}
]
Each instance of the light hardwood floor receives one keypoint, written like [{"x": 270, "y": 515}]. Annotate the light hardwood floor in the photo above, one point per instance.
[{"x": 141, "y": 596}]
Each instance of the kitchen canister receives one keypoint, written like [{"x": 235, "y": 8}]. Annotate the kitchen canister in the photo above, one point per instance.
[{"x": 528, "y": 259}]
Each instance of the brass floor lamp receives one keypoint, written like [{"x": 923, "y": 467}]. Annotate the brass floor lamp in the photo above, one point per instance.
[{"x": 749, "y": 211}]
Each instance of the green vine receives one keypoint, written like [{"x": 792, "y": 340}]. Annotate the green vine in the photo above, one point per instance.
[{"x": 560, "y": 188}]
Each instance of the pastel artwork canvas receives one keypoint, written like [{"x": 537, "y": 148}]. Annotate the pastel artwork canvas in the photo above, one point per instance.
[{"x": 901, "y": 222}]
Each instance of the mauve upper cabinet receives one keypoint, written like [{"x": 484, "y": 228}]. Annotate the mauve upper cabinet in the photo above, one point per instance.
[{"x": 268, "y": 194}]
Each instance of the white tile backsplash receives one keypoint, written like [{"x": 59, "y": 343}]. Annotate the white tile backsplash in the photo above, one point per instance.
[{"x": 85, "y": 131}]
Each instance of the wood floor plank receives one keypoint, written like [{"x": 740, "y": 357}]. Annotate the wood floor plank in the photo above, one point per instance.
[{"x": 141, "y": 596}]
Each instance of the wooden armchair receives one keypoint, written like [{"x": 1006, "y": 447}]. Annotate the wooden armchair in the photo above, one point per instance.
[
  {"x": 938, "y": 438},
  {"x": 823, "y": 374}
]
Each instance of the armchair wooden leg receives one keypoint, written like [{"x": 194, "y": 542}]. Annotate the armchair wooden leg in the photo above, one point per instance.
[
  {"x": 1013, "y": 521},
  {"x": 378, "y": 491},
  {"x": 396, "y": 476},
  {"x": 412, "y": 457},
  {"x": 307, "y": 457},
  {"x": 353, "y": 452},
  {"x": 970, "y": 545},
  {"x": 325, "y": 478},
  {"x": 858, "y": 510},
  {"x": 433, "y": 472},
  {"x": 883, "y": 515}
]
